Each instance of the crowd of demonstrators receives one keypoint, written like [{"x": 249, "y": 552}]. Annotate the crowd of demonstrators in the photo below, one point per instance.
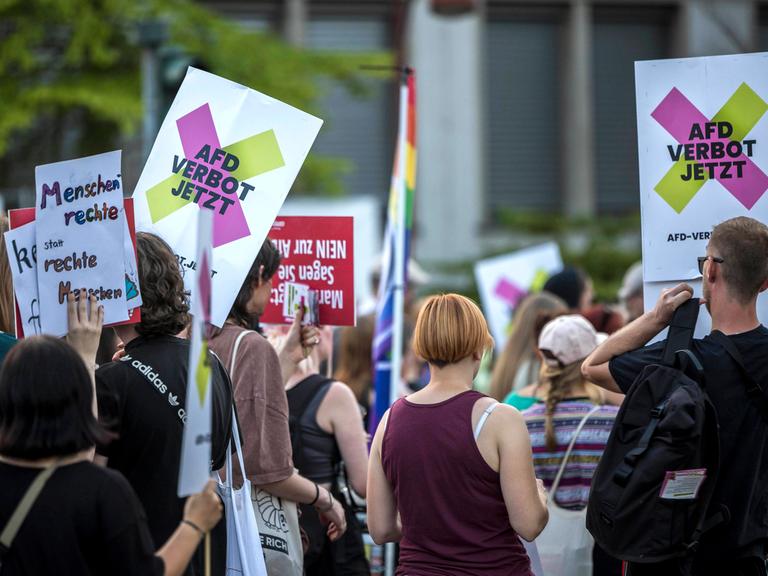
[
  {"x": 566, "y": 399},
  {"x": 140, "y": 396},
  {"x": 454, "y": 476},
  {"x": 734, "y": 271},
  {"x": 259, "y": 373},
  {"x": 519, "y": 364},
  {"x": 457, "y": 498},
  {"x": 82, "y": 518},
  {"x": 329, "y": 446}
]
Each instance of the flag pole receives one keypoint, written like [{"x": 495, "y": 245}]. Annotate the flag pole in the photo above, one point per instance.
[
  {"x": 400, "y": 264},
  {"x": 399, "y": 275}
]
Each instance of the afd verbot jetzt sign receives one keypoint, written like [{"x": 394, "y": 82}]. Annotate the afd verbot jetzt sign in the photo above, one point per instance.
[
  {"x": 231, "y": 150},
  {"x": 703, "y": 154}
]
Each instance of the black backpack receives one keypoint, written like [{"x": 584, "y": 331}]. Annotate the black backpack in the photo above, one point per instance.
[{"x": 665, "y": 433}]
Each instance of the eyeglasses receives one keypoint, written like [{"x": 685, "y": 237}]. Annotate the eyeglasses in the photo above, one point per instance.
[{"x": 703, "y": 259}]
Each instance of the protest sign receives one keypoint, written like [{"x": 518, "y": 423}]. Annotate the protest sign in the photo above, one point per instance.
[
  {"x": 503, "y": 281},
  {"x": 20, "y": 244},
  {"x": 195, "y": 467},
  {"x": 316, "y": 251},
  {"x": 230, "y": 150},
  {"x": 26, "y": 256},
  {"x": 80, "y": 227},
  {"x": 702, "y": 135}
]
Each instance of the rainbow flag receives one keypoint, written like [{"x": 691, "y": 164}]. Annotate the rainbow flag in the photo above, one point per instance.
[{"x": 385, "y": 310}]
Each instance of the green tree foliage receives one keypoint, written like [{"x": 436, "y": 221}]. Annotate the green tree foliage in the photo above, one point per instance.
[{"x": 77, "y": 62}]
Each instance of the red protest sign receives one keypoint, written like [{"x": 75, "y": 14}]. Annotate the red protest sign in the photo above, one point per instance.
[
  {"x": 20, "y": 216},
  {"x": 317, "y": 251}
]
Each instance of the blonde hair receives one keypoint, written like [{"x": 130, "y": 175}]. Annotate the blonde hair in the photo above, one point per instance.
[
  {"x": 562, "y": 380},
  {"x": 521, "y": 345},
  {"x": 450, "y": 328}
]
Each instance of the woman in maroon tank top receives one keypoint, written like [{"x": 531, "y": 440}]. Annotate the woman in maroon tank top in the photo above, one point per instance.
[{"x": 451, "y": 473}]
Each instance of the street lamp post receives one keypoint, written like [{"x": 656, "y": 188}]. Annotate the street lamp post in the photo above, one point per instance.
[{"x": 151, "y": 35}]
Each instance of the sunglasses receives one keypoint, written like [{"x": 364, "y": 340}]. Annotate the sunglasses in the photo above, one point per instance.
[{"x": 703, "y": 259}]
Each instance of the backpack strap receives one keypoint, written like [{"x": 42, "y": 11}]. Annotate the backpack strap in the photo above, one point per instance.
[
  {"x": 755, "y": 390},
  {"x": 627, "y": 467},
  {"x": 23, "y": 508},
  {"x": 567, "y": 455},
  {"x": 679, "y": 339},
  {"x": 681, "y": 329}
]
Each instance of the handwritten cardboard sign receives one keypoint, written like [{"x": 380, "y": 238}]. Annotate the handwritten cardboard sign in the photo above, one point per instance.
[
  {"x": 317, "y": 251},
  {"x": 230, "y": 150},
  {"x": 80, "y": 227},
  {"x": 20, "y": 244},
  {"x": 22, "y": 254}
]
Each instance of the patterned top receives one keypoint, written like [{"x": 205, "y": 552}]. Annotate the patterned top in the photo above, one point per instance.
[{"x": 573, "y": 492}]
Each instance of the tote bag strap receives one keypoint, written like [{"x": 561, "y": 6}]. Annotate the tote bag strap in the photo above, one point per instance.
[
  {"x": 235, "y": 348},
  {"x": 235, "y": 430},
  {"x": 571, "y": 444},
  {"x": 23, "y": 507}
]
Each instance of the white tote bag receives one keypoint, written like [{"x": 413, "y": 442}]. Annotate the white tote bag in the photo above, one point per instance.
[
  {"x": 276, "y": 519},
  {"x": 245, "y": 556},
  {"x": 565, "y": 546}
]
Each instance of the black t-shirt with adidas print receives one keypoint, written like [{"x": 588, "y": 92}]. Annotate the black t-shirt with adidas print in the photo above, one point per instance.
[{"x": 141, "y": 399}]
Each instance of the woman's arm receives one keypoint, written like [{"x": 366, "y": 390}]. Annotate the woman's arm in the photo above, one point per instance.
[
  {"x": 296, "y": 488},
  {"x": 383, "y": 520},
  {"x": 340, "y": 410},
  {"x": 524, "y": 495},
  {"x": 201, "y": 513}
]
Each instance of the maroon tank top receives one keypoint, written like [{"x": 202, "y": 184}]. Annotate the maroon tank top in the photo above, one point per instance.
[{"x": 450, "y": 501}]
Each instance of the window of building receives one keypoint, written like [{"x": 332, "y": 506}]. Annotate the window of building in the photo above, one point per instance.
[
  {"x": 522, "y": 111},
  {"x": 621, "y": 37},
  {"x": 359, "y": 129}
]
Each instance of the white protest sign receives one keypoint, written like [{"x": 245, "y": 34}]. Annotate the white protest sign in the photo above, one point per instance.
[
  {"x": 22, "y": 257},
  {"x": 505, "y": 280},
  {"x": 230, "y": 150},
  {"x": 195, "y": 467},
  {"x": 80, "y": 227},
  {"x": 703, "y": 152}
]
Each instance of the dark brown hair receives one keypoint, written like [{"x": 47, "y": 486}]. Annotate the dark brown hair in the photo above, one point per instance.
[
  {"x": 742, "y": 243},
  {"x": 165, "y": 303},
  {"x": 268, "y": 257},
  {"x": 46, "y": 401}
]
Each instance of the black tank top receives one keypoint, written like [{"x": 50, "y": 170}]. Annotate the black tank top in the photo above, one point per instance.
[{"x": 315, "y": 452}]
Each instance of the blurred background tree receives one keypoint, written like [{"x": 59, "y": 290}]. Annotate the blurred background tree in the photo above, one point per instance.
[{"x": 70, "y": 78}]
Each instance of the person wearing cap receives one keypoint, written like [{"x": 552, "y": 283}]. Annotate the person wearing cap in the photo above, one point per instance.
[
  {"x": 631, "y": 292},
  {"x": 564, "y": 399},
  {"x": 537, "y": 392}
]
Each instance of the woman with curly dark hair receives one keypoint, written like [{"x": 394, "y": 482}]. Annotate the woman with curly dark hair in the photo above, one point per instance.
[{"x": 142, "y": 397}]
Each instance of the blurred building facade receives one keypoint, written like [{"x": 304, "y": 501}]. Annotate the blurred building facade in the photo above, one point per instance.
[{"x": 523, "y": 105}]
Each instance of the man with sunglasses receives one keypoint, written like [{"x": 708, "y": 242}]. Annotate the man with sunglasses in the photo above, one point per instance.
[{"x": 734, "y": 271}]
